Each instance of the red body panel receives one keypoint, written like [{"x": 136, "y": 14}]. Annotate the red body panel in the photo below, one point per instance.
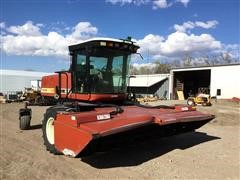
[
  {"x": 73, "y": 131},
  {"x": 49, "y": 84},
  {"x": 70, "y": 138}
]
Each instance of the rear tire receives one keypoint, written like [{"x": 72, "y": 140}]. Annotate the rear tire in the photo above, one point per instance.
[
  {"x": 24, "y": 123},
  {"x": 39, "y": 100}
]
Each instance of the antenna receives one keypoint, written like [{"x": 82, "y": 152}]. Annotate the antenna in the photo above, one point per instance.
[
  {"x": 128, "y": 39},
  {"x": 147, "y": 70}
]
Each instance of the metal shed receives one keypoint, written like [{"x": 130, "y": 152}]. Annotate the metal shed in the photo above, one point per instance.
[
  {"x": 14, "y": 80},
  {"x": 222, "y": 80},
  {"x": 157, "y": 84}
]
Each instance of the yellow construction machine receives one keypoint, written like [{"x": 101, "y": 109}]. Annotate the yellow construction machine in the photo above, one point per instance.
[{"x": 202, "y": 98}]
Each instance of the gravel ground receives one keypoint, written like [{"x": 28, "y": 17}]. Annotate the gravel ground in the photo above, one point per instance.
[{"x": 210, "y": 153}]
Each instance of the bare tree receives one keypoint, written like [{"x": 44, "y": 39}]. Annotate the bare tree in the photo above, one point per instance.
[
  {"x": 226, "y": 58},
  {"x": 187, "y": 60},
  {"x": 161, "y": 68}
]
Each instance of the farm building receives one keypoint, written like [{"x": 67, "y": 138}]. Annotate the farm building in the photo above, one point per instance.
[
  {"x": 222, "y": 81},
  {"x": 13, "y": 80},
  {"x": 152, "y": 84}
]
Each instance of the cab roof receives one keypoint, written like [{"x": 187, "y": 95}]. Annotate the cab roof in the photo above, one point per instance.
[{"x": 106, "y": 42}]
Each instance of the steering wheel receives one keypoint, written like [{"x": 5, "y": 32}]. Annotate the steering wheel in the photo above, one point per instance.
[{"x": 104, "y": 68}]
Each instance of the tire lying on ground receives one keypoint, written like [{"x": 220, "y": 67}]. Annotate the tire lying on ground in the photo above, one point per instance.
[{"x": 24, "y": 123}]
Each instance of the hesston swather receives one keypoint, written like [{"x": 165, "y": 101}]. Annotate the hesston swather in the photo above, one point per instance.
[{"x": 93, "y": 104}]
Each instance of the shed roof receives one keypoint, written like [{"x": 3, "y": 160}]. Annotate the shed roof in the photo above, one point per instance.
[
  {"x": 22, "y": 73},
  {"x": 147, "y": 80},
  {"x": 202, "y": 67}
]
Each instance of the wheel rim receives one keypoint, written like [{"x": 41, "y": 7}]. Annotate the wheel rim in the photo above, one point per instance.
[
  {"x": 190, "y": 103},
  {"x": 50, "y": 130}
]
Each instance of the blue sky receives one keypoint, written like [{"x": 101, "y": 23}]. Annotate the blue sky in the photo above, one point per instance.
[{"x": 35, "y": 33}]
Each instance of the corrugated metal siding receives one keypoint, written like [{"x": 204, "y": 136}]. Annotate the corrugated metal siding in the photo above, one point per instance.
[
  {"x": 161, "y": 89},
  {"x": 15, "y": 80},
  {"x": 9, "y": 83},
  {"x": 147, "y": 80}
]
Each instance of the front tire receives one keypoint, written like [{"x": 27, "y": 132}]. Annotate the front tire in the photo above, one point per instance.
[{"x": 48, "y": 131}]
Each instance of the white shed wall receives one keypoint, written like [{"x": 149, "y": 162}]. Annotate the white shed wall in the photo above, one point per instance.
[
  {"x": 12, "y": 80},
  {"x": 226, "y": 78}
]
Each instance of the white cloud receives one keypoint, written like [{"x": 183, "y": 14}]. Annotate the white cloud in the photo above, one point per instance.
[
  {"x": 140, "y": 2},
  {"x": 184, "y": 2},
  {"x": 161, "y": 4},
  {"x": 177, "y": 44},
  {"x": 58, "y": 26},
  {"x": 28, "y": 29},
  {"x": 52, "y": 44},
  {"x": 2, "y": 25},
  {"x": 19, "y": 41},
  {"x": 123, "y": 2},
  {"x": 191, "y": 25},
  {"x": 28, "y": 39},
  {"x": 156, "y": 4},
  {"x": 150, "y": 44},
  {"x": 207, "y": 25},
  {"x": 185, "y": 26},
  {"x": 82, "y": 31},
  {"x": 138, "y": 65}
]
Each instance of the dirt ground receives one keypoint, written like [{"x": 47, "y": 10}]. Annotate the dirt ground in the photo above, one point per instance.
[{"x": 213, "y": 152}]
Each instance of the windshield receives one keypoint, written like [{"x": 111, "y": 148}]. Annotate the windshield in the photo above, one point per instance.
[{"x": 104, "y": 71}]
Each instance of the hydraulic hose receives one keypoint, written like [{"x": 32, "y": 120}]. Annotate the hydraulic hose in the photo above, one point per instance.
[{"x": 118, "y": 108}]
